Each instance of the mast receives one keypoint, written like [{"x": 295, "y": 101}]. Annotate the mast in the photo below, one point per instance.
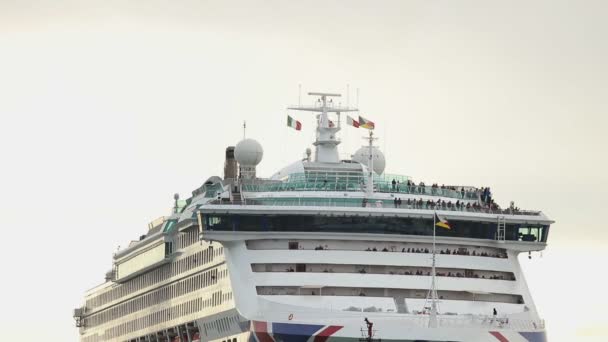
[
  {"x": 370, "y": 164},
  {"x": 433, "y": 290},
  {"x": 326, "y": 143}
]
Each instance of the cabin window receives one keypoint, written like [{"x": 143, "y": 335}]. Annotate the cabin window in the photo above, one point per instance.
[{"x": 294, "y": 245}]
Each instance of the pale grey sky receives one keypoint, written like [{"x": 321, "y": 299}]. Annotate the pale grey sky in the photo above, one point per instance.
[{"x": 107, "y": 108}]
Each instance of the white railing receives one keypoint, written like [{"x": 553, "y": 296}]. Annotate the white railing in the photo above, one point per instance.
[{"x": 460, "y": 321}]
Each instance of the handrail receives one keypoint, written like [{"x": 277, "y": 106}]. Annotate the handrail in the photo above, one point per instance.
[
  {"x": 458, "y": 321},
  {"x": 339, "y": 202},
  {"x": 345, "y": 182}
]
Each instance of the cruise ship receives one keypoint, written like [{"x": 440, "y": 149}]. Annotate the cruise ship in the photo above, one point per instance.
[{"x": 325, "y": 249}]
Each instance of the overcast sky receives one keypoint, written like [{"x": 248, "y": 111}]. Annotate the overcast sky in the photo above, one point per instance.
[{"x": 107, "y": 108}]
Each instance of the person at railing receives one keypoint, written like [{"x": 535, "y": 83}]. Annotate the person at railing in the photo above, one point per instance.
[
  {"x": 395, "y": 200},
  {"x": 397, "y": 186},
  {"x": 394, "y": 183}
]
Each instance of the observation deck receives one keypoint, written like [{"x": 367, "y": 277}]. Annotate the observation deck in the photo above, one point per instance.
[{"x": 355, "y": 181}]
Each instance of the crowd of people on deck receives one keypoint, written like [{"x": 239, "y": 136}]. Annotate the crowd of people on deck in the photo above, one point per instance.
[
  {"x": 439, "y": 204},
  {"x": 484, "y": 194},
  {"x": 423, "y": 273},
  {"x": 421, "y": 188},
  {"x": 443, "y": 251},
  {"x": 447, "y": 274},
  {"x": 426, "y": 250}
]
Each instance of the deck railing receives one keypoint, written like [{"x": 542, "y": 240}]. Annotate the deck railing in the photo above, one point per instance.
[
  {"x": 334, "y": 181},
  {"x": 353, "y": 203},
  {"x": 461, "y": 321}
]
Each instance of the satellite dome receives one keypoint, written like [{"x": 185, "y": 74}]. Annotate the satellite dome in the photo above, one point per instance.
[
  {"x": 362, "y": 156},
  {"x": 248, "y": 152}
]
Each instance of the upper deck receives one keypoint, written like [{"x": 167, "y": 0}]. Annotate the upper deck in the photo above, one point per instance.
[{"x": 355, "y": 182}]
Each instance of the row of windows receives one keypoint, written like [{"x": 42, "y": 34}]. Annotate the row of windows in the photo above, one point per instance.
[
  {"x": 376, "y": 246},
  {"x": 382, "y": 269},
  {"x": 92, "y": 338},
  {"x": 221, "y": 325},
  {"x": 174, "y": 290},
  {"x": 157, "y": 275},
  {"x": 387, "y": 292},
  {"x": 165, "y": 315},
  {"x": 187, "y": 238},
  {"x": 371, "y": 225}
]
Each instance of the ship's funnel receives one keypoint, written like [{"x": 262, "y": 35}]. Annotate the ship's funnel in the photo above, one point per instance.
[{"x": 230, "y": 165}]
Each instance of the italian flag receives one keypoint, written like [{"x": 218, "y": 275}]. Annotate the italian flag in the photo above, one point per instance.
[
  {"x": 352, "y": 122},
  {"x": 293, "y": 123}
]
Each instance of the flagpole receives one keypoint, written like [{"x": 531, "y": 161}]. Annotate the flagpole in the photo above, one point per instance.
[
  {"x": 299, "y": 95},
  {"x": 433, "y": 317}
]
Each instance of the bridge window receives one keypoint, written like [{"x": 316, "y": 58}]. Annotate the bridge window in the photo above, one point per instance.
[{"x": 368, "y": 224}]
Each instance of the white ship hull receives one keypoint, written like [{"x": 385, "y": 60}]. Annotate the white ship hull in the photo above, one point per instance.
[{"x": 387, "y": 330}]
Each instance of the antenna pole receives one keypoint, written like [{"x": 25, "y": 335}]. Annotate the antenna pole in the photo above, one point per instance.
[
  {"x": 347, "y": 95},
  {"x": 370, "y": 179},
  {"x": 385, "y": 139},
  {"x": 244, "y": 128},
  {"x": 433, "y": 317}
]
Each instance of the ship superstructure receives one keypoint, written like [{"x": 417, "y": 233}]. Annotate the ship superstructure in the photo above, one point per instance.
[{"x": 324, "y": 249}]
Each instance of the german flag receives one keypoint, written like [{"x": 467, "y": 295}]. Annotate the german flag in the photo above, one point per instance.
[
  {"x": 364, "y": 123},
  {"x": 443, "y": 223}
]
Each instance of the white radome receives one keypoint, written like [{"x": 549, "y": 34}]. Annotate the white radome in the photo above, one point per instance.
[
  {"x": 362, "y": 156},
  {"x": 248, "y": 152}
]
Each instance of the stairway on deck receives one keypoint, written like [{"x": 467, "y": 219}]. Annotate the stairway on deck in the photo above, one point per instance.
[{"x": 236, "y": 198}]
